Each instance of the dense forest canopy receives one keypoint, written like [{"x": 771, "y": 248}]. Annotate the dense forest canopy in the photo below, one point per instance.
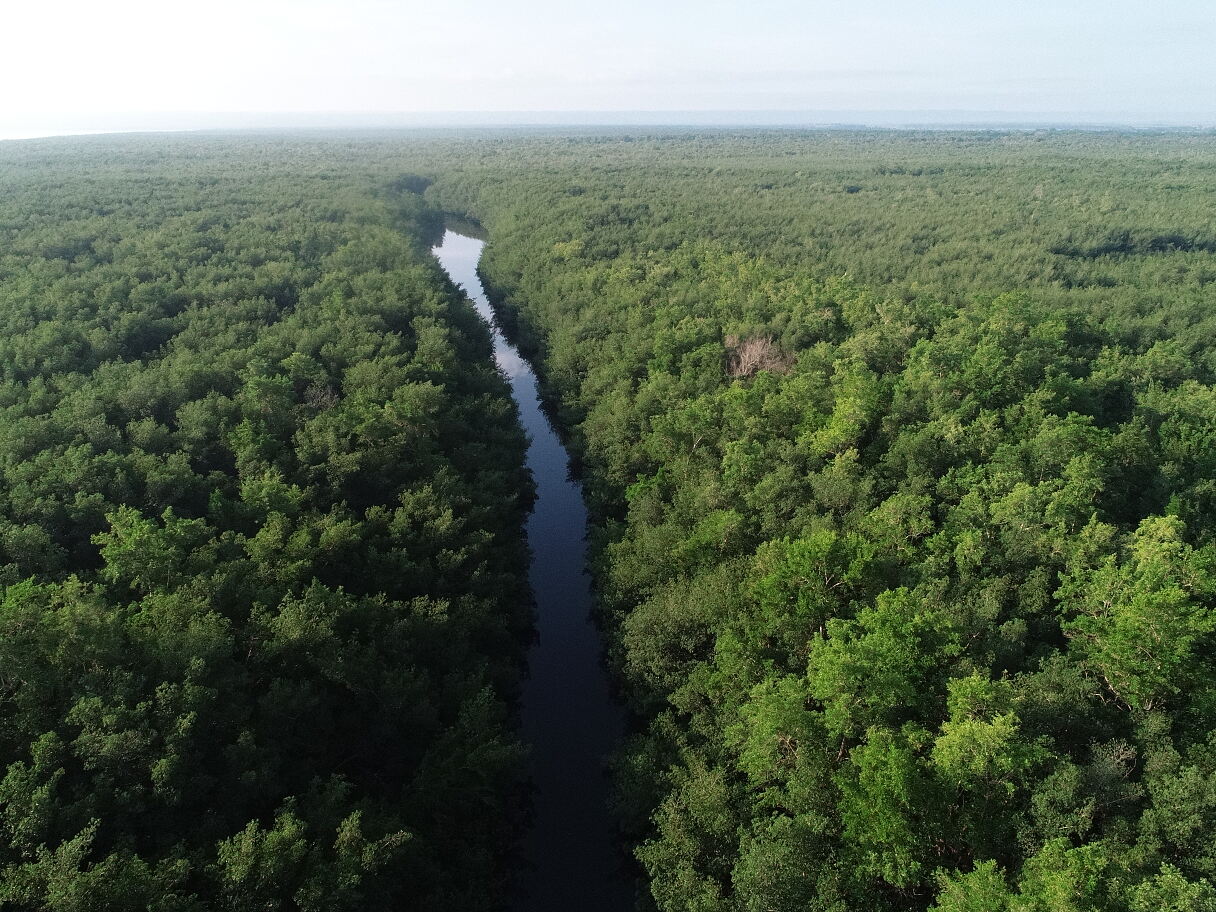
[
  {"x": 899, "y": 449},
  {"x": 262, "y": 595}
]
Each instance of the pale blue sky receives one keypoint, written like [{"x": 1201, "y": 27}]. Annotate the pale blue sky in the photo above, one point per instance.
[{"x": 79, "y": 62}]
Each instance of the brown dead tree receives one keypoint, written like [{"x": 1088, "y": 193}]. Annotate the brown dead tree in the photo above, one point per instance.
[{"x": 746, "y": 357}]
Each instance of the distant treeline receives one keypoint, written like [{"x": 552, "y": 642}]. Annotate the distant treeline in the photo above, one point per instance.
[{"x": 262, "y": 595}]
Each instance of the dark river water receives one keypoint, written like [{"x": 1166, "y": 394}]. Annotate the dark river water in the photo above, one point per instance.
[{"x": 569, "y": 716}]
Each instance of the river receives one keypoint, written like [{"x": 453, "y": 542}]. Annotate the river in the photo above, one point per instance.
[{"x": 568, "y": 713}]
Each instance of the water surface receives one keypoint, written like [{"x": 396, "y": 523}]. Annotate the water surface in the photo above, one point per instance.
[{"x": 569, "y": 716}]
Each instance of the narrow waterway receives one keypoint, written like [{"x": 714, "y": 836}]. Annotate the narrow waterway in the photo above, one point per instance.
[{"x": 569, "y": 716}]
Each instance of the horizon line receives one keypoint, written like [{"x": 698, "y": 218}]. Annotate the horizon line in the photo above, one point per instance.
[{"x": 69, "y": 124}]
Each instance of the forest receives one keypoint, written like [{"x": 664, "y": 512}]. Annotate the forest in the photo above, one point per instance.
[
  {"x": 900, "y": 452},
  {"x": 262, "y": 611}
]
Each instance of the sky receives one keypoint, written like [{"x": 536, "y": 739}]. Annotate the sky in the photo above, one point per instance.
[{"x": 84, "y": 65}]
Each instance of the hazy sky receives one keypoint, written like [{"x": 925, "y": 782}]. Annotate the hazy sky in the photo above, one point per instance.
[{"x": 1128, "y": 58}]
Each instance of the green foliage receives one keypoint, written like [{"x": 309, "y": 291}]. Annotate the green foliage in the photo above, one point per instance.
[
  {"x": 980, "y": 890},
  {"x": 1141, "y": 625},
  {"x": 262, "y": 597},
  {"x": 886, "y": 798},
  {"x": 917, "y": 604},
  {"x": 981, "y": 746},
  {"x": 915, "y": 607}
]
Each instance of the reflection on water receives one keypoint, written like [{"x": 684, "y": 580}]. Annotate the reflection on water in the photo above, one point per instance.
[{"x": 568, "y": 713}]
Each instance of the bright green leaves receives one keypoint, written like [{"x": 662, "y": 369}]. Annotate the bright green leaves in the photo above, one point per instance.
[
  {"x": 1181, "y": 815},
  {"x": 982, "y": 889},
  {"x": 887, "y": 806},
  {"x": 1140, "y": 623},
  {"x": 789, "y": 863},
  {"x": 981, "y": 746},
  {"x": 689, "y": 862},
  {"x": 1170, "y": 891},
  {"x": 1058, "y": 878},
  {"x": 75, "y": 877},
  {"x": 798, "y": 585},
  {"x": 29, "y": 795},
  {"x": 879, "y": 668},
  {"x": 779, "y": 732},
  {"x": 258, "y": 866},
  {"x": 146, "y": 556},
  {"x": 674, "y": 629},
  {"x": 857, "y": 395},
  {"x": 715, "y": 534},
  {"x": 1061, "y": 878}
]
